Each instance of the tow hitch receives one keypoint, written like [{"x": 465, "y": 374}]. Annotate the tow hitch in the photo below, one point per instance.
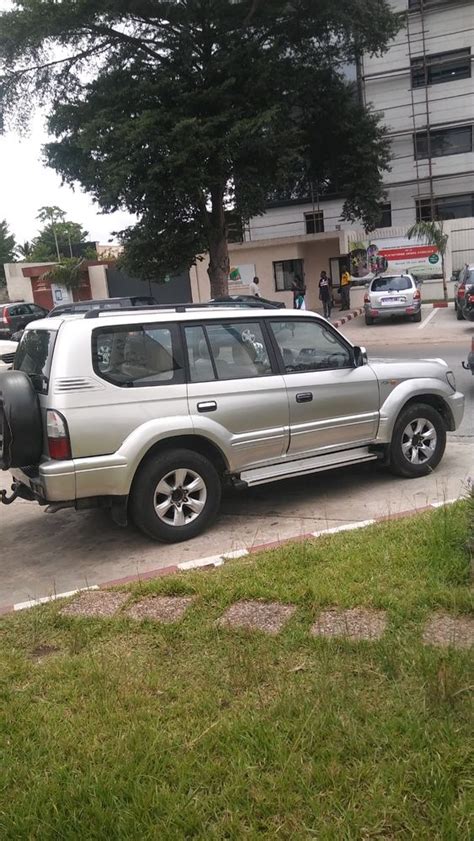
[{"x": 7, "y": 500}]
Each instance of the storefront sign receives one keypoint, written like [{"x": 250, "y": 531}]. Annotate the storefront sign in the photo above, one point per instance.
[
  {"x": 396, "y": 255},
  {"x": 242, "y": 274}
]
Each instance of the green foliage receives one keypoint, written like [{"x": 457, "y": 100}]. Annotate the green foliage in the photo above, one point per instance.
[
  {"x": 56, "y": 240},
  {"x": 191, "y": 109},
  {"x": 24, "y": 250},
  {"x": 67, "y": 273},
  {"x": 432, "y": 233},
  {"x": 7, "y": 249}
]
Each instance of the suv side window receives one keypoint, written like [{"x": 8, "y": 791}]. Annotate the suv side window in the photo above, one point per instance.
[
  {"x": 309, "y": 346},
  {"x": 233, "y": 350},
  {"x": 134, "y": 356}
]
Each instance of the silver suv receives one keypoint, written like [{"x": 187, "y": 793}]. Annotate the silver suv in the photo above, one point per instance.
[{"x": 149, "y": 413}]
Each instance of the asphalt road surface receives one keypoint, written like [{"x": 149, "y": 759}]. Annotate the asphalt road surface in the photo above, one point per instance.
[{"x": 43, "y": 554}]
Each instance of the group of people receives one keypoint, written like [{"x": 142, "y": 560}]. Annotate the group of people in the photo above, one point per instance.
[{"x": 298, "y": 288}]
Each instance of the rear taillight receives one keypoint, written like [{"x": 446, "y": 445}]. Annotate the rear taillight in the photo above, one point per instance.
[
  {"x": 6, "y": 316},
  {"x": 59, "y": 445},
  {"x": 417, "y": 295},
  {"x": 366, "y": 298},
  {"x": 461, "y": 292}
]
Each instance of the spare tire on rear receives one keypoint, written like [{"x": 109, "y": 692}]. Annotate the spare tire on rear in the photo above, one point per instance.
[{"x": 21, "y": 427}]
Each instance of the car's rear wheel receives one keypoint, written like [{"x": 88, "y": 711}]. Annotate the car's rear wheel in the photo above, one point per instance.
[
  {"x": 459, "y": 314},
  {"x": 418, "y": 441},
  {"x": 417, "y": 317},
  {"x": 369, "y": 320},
  {"x": 175, "y": 495}
]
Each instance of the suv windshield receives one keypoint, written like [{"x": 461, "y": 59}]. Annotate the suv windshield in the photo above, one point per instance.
[
  {"x": 391, "y": 284},
  {"x": 34, "y": 355}
]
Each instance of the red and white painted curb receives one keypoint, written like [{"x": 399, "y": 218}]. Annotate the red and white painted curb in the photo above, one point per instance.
[
  {"x": 348, "y": 317},
  {"x": 213, "y": 561}
]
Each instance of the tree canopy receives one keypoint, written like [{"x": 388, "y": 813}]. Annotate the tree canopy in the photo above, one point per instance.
[
  {"x": 7, "y": 249},
  {"x": 182, "y": 110}
]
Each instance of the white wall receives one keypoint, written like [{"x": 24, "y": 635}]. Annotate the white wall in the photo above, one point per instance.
[
  {"x": 19, "y": 287},
  {"x": 98, "y": 281}
]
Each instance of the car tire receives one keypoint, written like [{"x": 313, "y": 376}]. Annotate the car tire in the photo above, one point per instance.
[
  {"x": 161, "y": 490},
  {"x": 418, "y": 441},
  {"x": 417, "y": 317},
  {"x": 459, "y": 314},
  {"x": 21, "y": 427},
  {"x": 369, "y": 320}
]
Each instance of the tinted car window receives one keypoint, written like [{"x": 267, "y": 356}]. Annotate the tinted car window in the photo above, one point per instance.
[
  {"x": 391, "y": 284},
  {"x": 238, "y": 350},
  {"x": 310, "y": 346},
  {"x": 132, "y": 356},
  {"x": 34, "y": 355}
]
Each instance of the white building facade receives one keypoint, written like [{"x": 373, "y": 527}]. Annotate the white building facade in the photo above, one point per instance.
[{"x": 423, "y": 87}]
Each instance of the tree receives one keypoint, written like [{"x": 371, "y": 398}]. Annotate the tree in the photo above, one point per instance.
[
  {"x": 24, "y": 250},
  {"x": 7, "y": 249},
  {"x": 57, "y": 240},
  {"x": 52, "y": 215},
  {"x": 67, "y": 273},
  {"x": 183, "y": 111},
  {"x": 432, "y": 233}
]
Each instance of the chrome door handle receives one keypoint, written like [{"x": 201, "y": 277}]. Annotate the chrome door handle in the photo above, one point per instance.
[
  {"x": 210, "y": 406},
  {"x": 304, "y": 397}
]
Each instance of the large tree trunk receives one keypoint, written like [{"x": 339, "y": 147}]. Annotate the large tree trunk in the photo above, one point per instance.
[{"x": 219, "y": 265}]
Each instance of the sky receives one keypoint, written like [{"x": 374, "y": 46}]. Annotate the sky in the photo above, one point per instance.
[{"x": 26, "y": 184}]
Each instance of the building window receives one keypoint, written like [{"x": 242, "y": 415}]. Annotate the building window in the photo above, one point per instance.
[
  {"x": 417, "y": 5},
  {"x": 447, "y": 141},
  {"x": 442, "y": 67},
  {"x": 314, "y": 222},
  {"x": 385, "y": 219},
  {"x": 286, "y": 272},
  {"x": 445, "y": 207}
]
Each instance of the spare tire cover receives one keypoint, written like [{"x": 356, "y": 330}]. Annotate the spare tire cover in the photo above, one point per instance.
[{"x": 21, "y": 427}]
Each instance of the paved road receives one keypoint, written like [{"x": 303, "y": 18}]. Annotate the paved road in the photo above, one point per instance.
[{"x": 41, "y": 553}]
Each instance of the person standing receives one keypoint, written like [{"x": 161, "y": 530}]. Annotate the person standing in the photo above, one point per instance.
[
  {"x": 345, "y": 290},
  {"x": 255, "y": 288},
  {"x": 325, "y": 293},
  {"x": 299, "y": 292}
]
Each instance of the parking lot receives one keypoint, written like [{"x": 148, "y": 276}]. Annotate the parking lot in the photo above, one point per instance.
[{"x": 45, "y": 553}]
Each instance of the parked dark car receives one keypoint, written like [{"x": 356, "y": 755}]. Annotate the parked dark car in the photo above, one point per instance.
[
  {"x": 248, "y": 301},
  {"x": 464, "y": 294},
  {"x": 104, "y": 304},
  {"x": 15, "y": 317}
]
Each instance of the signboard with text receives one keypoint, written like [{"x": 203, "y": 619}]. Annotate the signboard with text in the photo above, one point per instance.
[{"x": 396, "y": 255}]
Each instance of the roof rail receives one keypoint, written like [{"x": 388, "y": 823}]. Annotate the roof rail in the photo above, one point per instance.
[{"x": 96, "y": 313}]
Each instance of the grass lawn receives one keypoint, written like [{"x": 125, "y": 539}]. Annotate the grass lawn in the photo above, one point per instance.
[{"x": 129, "y": 730}]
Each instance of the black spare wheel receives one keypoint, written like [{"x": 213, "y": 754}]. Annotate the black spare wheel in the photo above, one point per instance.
[{"x": 21, "y": 428}]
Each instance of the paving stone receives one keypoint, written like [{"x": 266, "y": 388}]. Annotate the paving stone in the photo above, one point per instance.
[
  {"x": 443, "y": 631},
  {"x": 160, "y": 608},
  {"x": 257, "y": 616},
  {"x": 356, "y": 624},
  {"x": 101, "y": 603}
]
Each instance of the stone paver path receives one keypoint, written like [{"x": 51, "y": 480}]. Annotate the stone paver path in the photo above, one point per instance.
[
  {"x": 98, "y": 603},
  {"x": 355, "y": 624},
  {"x": 160, "y": 608},
  {"x": 268, "y": 617},
  {"x": 443, "y": 631}
]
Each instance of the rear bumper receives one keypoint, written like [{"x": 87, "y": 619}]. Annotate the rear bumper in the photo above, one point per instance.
[
  {"x": 387, "y": 312},
  {"x": 67, "y": 481}
]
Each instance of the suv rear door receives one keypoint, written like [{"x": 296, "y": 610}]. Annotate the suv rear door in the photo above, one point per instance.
[
  {"x": 235, "y": 391},
  {"x": 333, "y": 404}
]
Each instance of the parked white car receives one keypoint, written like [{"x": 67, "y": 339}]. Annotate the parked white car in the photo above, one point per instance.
[{"x": 390, "y": 295}]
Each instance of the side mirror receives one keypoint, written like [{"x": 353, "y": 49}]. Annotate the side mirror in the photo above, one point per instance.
[{"x": 360, "y": 356}]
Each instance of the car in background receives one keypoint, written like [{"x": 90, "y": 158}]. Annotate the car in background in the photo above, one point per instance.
[
  {"x": 390, "y": 295},
  {"x": 7, "y": 353},
  {"x": 127, "y": 302},
  {"x": 16, "y": 315},
  {"x": 248, "y": 301},
  {"x": 464, "y": 294}
]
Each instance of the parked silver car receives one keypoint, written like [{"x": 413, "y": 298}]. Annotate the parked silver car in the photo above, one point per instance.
[
  {"x": 149, "y": 413},
  {"x": 390, "y": 295}
]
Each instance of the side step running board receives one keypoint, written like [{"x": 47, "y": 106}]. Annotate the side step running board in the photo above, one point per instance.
[{"x": 273, "y": 472}]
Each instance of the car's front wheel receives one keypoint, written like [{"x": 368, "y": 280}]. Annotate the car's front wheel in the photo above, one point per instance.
[
  {"x": 175, "y": 495},
  {"x": 418, "y": 441}
]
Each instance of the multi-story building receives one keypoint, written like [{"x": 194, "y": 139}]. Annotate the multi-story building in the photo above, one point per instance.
[{"x": 423, "y": 88}]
